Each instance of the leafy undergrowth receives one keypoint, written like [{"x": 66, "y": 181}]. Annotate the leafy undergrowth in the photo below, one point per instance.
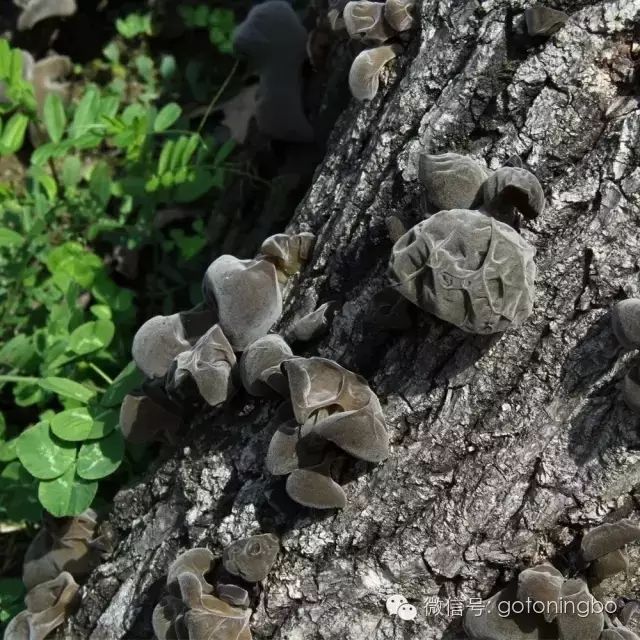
[{"x": 100, "y": 175}]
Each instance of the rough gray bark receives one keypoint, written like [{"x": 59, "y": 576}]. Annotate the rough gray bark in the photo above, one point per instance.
[{"x": 504, "y": 448}]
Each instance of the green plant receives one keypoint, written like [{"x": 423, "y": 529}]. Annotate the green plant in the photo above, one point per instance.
[
  {"x": 108, "y": 164},
  {"x": 220, "y": 24}
]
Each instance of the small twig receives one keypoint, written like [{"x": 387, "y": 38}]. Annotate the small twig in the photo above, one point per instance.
[{"x": 215, "y": 98}]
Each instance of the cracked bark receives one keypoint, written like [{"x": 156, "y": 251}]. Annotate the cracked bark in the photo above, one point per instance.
[{"x": 503, "y": 448}]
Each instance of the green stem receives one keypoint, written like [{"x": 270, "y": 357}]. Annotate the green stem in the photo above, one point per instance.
[
  {"x": 100, "y": 372},
  {"x": 215, "y": 99},
  {"x": 18, "y": 379}
]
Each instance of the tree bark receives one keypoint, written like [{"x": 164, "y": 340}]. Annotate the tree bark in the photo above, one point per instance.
[{"x": 504, "y": 448}]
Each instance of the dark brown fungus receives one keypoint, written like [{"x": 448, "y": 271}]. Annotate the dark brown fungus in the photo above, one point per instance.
[
  {"x": 578, "y": 616},
  {"x": 514, "y": 161},
  {"x": 157, "y": 342},
  {"x": 354, "y": 420},
  {"x": 544, "y": 21},
  {"x": 625, "y": 321},
  {"x": 398, "y": 14},
  {"x": 209, "y": 363},
  {"x": 510, "y": 189},
  {"x": 35, "y": 11},
  {"x": 609, "y": 565},
  {"x": 364, "y": 75},
  {"x": 495, "y": 620},
  {"x": 247, "y": 296},
  {"x": 164, "y": 616},
  {"x": 292, "y": 447},
  {"x": 197, "y": 561},
  {"x": 630, "y": 612},
  {"x": 467, "y": 269},
  {"x": 48, "y": 606},
  {"x": 314, "y": 324},
  {"x": 632, "y": 389},
  {"x": 274, "y": 40},
  {"x": 142, "y": 421},
  {"x": 233, "y": 595},
  {"x": 314, "y": 487},
  {"x": 334, "y": 13},
  {"x": 541, "y": 584},
  {"x": 288, "y": 252},
  {"x": 63, "y": 544},
  {"x": 452, "y": 181},
  {"x": 364, "y": 20},
  {"x": 260, "y": 366},
  {"x": 251, "y": 558},
  {"x": 608, "y": 537}
]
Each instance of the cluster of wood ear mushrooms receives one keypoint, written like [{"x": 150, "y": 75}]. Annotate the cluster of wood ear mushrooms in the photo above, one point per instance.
[
  {"x": 328, "y": 412},
  {"x": 557, "y": 607},
  {"x": 191, "y": 610},
  {"x": 63, "y": 551},
  {"x": 467, "y": 263}
]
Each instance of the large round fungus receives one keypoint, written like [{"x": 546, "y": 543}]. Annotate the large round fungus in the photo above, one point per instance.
[
  {"x": 352, "y": 417},
  {"x": 247, "y": 296},
  {"x": 364, "y": 20},
  {"x": 48, "y": 605},
  {"x": 142, "y": 421},
  {"x": 544, "y": 21},
  {"x": 452, "y": 181},
  {"x": 510, "y": 189},
  {"x": 288, "y": 252},
  {"x": 625, "y": 321},
  {"x": 260, "y": 366},
  {"x": 315, "y": 488},
  {"x": 63, "y": 544},
  {"x": 233, "y": 594},
  {"x": 468, "y": 269},
  {"x": 274, "y": 40},
  {"x": 608, "y": 537},
  {"x": 209, "y": 364},
  {"x": 541, "y": 584},
  {"x": 252, "y": 558},
  {"x": 157, "y": 342},
  {"x": 398, "y": 14},
  {"x": 578, "y": 617},
  {"x": 364, "y": 75}
]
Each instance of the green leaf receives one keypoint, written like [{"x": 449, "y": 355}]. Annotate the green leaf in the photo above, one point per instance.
[
  {"x": 101, "y": 458},
  {"x": 86, "y": 113},
  {"x": 73, "y": 425},
  {"x": 17, "y": 351},
  {"x": 127, "y": 380},
  {"x": 8, "y": 450},
  {"x": 68, "y": 495},
  {"x": 100, "y": 183},
  {"x": 104, "y": 422},
  {"x": 55, "y": 119},
  {"x": 43, "y": 455},
  {"x": 165, "y": 157},
  {"x": 72, "y": 260},
  {"x": 67, "y": 388},
  {"x": 12, "y": 137},
  {"x": 166, "y": 117},
  {"x": 101, "y": 311},
  {"x": 9, "y": 238},
  {"x": 91, "y": 336},
  {"x": 224, "y": 151},
  {"x": 71, "y": 171}
]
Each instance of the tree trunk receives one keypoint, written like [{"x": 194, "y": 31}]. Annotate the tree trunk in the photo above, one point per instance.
[{"x": 504, "y": 448}]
